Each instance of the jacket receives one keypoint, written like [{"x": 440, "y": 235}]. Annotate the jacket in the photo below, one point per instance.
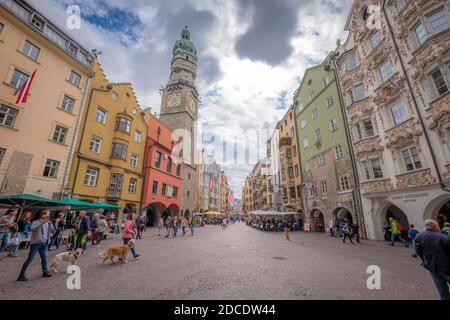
[
  {"x": 128, "y": 230},
  {"x": 83, "y": 227},
  {"x": 434, "y": 250},
  {"x": 37, "y": 232}
]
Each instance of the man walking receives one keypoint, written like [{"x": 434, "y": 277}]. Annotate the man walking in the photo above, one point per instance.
[
  {"x": 6, "y": 223},
  {"x": 433, "y": 248},
  {"x": 41, "y": 232},
  {"x": 82, "y": 231},
  {"x": 396, "y": 232}
]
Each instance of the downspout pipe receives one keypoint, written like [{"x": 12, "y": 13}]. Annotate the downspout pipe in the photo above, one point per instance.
[
  {"x": 358, "y": 206},
  {"x": 416, "y": 106}
]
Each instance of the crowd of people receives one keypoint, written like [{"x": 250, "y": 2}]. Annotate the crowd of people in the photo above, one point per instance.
[
  {"x": 44, "y": 234},
  {"x": 275, "y": 225}
]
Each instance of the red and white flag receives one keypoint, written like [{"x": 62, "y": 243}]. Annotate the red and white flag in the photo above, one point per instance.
[
  {"x": 23, "y": 93},
  {"x": 211, "y": 184}
]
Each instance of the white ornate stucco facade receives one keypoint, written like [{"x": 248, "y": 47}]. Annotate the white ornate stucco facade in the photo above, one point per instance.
[{"x": 395, "y": 81}]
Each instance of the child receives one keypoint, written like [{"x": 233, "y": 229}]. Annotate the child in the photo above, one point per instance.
[
  {"x": 412, "y": 236},
  {"x": 446, "y": 229},
  {"x": 13, "y": 244}
]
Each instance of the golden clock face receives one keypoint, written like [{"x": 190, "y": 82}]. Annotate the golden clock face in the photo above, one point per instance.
[
  {"x": 174, "y": 100},
  {"x": 192, "y": 106}
]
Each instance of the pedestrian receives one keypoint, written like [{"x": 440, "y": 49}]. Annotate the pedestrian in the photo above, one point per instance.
[
  {"x": 82, "y": 231},
  {"x": 175, "y": 226},
  {"x": 139, "y": 222},
  {"x": 331, "y": 226},
  {"x": 169, "y": 226},
  {"x": 102, "y": 229},
  {"x": 286, "y": 229},
  {"x": 433, "y": 248},
  {"x": 14, "y": 242},
  {"x": 346, "y": 232},
  {"x": 129, "y": 231},
  {"x": 184, "y": 223},
  {"x": 446, "y": 229},
  {"x": 354, "y": 229},
  {"x": 192, "y": 225},
  {"x": 59, "y": 225},
  {"x": 41, "y": 232},
  {"x": 6, "y": 223},
  {"x": 412, "y": 233},
  {"x": 24, "y": 225},
  {"x": 160, "y": 226},
  {"x": 396, "y": 232}
]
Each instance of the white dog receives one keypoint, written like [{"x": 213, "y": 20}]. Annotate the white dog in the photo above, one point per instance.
[{"x": 70, "y": 257}]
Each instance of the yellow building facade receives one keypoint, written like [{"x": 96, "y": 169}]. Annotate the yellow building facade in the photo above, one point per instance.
[
  {"x": 37, "y": 137},
  {"x": 109, "y": 157}
]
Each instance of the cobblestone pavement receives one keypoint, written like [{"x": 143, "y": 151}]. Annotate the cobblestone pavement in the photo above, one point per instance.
[{"x": 237, "y": 263}]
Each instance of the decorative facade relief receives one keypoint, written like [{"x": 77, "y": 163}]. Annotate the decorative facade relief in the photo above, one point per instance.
[
  {"x": 376, "y": 186},
  {"x": 415, "y": 179},
  {"x": 407, "y": 131}
]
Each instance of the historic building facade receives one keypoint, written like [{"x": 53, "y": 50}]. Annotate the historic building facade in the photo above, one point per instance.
[
  {"x": 328, "y": 180},
  {"x": 274, "y": 182},
  {"x": 179, "y": 111},
  {"x": 163, "y": 178},
  {"x": 395, "y": 78},
  {"x": 30, "y": 42},
  {"x": 289, "y": 163},
  {"x": 110, "y": 149},
  {"x": 209, "y": 183}
]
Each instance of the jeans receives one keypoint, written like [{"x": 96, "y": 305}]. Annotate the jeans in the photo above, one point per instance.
[
  {"x": 442, "y": 283},
  {"x": 133, "y": 251},
  {"x": 54, "y": 240},
  {"x": 192, "y": 230},
  {"x": 175, "y": 231},
  {"x": 42, "y": 248},
  {"x": 398, "y": 236},
  {"x": 4, "y": 237},
  {"x": 414, "y": 248}
]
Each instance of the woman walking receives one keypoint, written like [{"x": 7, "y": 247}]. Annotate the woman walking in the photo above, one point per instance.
[
  {"x": 160, "y": 226},
  {"x": 128, "y": 233},
  {"x": 24, "y": 225},
  {"x": 102, "y": 229}
]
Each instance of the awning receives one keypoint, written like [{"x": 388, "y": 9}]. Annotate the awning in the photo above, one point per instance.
[
  {"x": 27, "y": 201},
  {"x": 102, "y": 205},
  {"x": 213, "y": 213},
  {"x": 273, "y": 213}
]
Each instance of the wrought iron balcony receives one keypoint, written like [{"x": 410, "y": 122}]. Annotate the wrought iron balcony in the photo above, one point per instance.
[{"x": 113, "y": 194}]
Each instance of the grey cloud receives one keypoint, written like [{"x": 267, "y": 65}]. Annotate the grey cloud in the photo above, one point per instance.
[{"x": 272, "y": 27}]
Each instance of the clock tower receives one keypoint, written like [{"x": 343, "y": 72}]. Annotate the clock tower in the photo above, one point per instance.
[{"x": 179, "y": 109}]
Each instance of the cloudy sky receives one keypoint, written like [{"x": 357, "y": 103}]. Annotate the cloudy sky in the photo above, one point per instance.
[{"x": 252, "y": 53}]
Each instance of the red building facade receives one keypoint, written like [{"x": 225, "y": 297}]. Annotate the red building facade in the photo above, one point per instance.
[{"x": 163, "y": 178}]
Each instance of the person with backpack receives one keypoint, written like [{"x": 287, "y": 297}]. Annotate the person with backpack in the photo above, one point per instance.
[
  {"x": 412, "y": 233},
  {"x": 396, "y": 232},
  {"x": 354, "y": 229}
]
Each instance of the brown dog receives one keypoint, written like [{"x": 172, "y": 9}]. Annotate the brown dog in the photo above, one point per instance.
[{"x": 120, "y": 251}]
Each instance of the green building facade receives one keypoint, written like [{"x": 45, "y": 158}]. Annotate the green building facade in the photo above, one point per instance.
[{"x": 327, "y": 177}]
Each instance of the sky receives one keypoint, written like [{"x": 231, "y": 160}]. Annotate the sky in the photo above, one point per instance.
[{"x": 252, "y": 54}]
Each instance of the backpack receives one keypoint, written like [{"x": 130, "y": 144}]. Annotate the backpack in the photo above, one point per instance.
[{"x": 399, "y": 227}]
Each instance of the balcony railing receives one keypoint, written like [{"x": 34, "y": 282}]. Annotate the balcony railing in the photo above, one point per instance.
[{"x": 113, "y": 194}]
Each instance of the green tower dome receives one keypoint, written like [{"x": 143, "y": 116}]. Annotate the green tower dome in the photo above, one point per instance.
[{"x": 185, "y": 45}]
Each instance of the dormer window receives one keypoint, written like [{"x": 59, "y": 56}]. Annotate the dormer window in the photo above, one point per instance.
[
  {"x": 72, "y": 48},
  {"x": 37, "y": 21}
]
